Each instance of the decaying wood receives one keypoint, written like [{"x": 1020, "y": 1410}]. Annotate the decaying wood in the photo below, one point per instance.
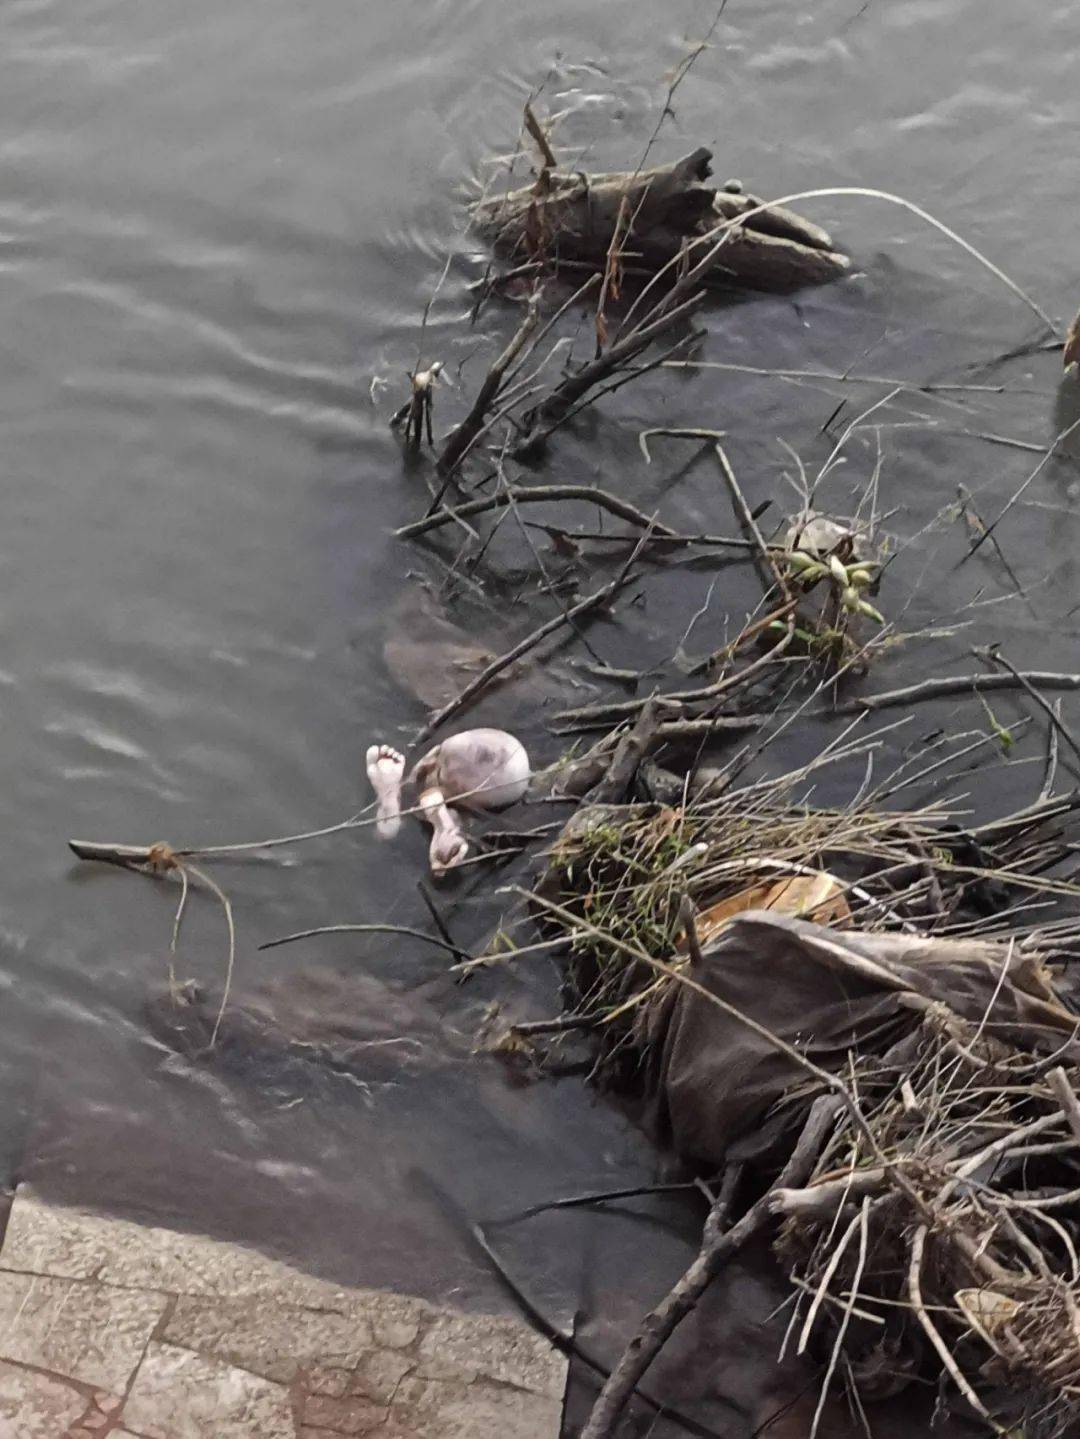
[
  {"x": 127, "y": 856},
  {"x": 628, "y": 754},
  {"x": 573, "y": 217}
]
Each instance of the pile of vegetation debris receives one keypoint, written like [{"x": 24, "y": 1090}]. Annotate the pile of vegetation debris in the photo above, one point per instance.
[{"x": 862, "y": 1008}]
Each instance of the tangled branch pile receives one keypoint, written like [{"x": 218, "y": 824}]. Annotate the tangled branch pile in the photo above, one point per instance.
[
  {"x": 975, "y": 1269},
  {"x": 737, "y": 957}
]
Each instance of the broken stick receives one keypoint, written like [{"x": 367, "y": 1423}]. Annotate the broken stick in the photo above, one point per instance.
[{"x": 717, "y": 1247}]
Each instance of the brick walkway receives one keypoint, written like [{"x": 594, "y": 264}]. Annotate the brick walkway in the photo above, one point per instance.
[{"x": 107, "y": 1328}]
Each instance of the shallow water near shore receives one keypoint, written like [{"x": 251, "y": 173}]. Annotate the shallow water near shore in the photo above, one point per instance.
[{"x": 218, "y": 227}]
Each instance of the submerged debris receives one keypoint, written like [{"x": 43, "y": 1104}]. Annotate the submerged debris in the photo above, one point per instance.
[{"x": 651, "y": 216}]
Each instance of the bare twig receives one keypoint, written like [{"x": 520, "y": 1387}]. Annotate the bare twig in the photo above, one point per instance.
[
  {"x": 845, "y": 1320},
  {"x": 566, "y": 395},
  {"x": 177, "y": 921},
  {"x": 612, "y": 274},
  {"x": 717, "y": 1247},
  {"x": 506, "y": 488},
  {"x": 678, "y": 432},
  {"x": 438, "y": 921},
  {"x": 596, "y": 1196},
  {"x": 230, "y": 960},
  {"x": 543, "y": 144},
  {"x": 681, "y": 71},
  {"x": 1066, "y": 1097},
  {"x": 826, "y": 1278},
  {"x": 716, "y": 238},
  {"x": 959, "y": 684},
  {"x": 768, "y": 558},
  {"x": 994, "y": 656},
  {"x": 538, "y": 438},
  {"x": 544, "y": 494},
  {"x": 1047, "y": 457},
  {"x": 568, "y": 304},
  {"x": 404, "y": 929},
  {"x": 929, "y": 1328},
  {"x": 629, "y": 752},
  {"x": 847, "y": 377},
  {"x": 427, "y": 311},
  {"x": 1050, "y": 772},
  {"x": 562, "y": 1024},
  {"x": 462, "y": 439}
]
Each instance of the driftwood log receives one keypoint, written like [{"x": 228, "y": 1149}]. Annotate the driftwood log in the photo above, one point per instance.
[{"x": 573, "y": 218}]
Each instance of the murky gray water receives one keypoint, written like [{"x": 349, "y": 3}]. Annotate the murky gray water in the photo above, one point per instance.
[{"x": 218, "y": 224}]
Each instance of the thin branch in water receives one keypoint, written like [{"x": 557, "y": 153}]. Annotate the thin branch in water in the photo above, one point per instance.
[
  {"x": 543, "y": 144},
  {"x": 536, "y": 440},
  {"x": 682, "y": 70},
  {"x": 718, "y": 235},
  {"x": 561, "y": 1024},
  {"x": 427, "y": 311},
  {"x": 212, "y": 884},
  {"x": 959, "y": 684},
  {"x": 568, "y": 304},
  {"x": 599, "y": 1196},
  {"x": 675, "y": 432},
  {"x": 161, "y": 858},
  {"x": 543, "y": 494},
  {"x": 992, "y": 655},
  {"x": 849, "y": 430},
  {"x": 465, "y": 436},
  {"x": 507, "y": 489},
  {"x": 177, "y": 921},
  {"x": 978, "y": 525},
  {"x": 1050, "y": 773},
  {"x": 567, "y": 1344},
  {"x": 922, "y": 387},
  {"x": 717, "y": 1246},
  {"x": 768, "y": 558},
  {"x": 438, "y": 921},
  {"x": 1047, "y": 457},
  {"x": 404, "y": 929},
  {"x": 697, "y": 615},
  {"x": 575, "y": 386}
]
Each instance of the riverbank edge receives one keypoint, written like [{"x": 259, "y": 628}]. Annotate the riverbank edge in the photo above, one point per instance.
[{"x": 110, "y": 1328}]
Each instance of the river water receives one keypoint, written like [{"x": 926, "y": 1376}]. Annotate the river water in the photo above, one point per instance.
[{"x": 218, "y": 227}]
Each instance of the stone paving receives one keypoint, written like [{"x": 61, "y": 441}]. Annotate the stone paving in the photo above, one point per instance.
[{"x": 111, "y": 1329}]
